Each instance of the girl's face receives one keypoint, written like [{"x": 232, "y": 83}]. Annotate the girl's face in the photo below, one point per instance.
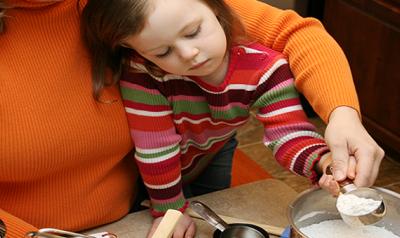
[{"x": 182, "y": 37}]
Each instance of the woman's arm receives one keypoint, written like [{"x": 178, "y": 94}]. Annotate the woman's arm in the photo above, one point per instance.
[
  {"x": 319, "y": 65},
  {"x": 323, "y": 75}
]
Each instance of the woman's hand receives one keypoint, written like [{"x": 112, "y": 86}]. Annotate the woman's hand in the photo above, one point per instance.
[
  {"x": 186, "y": 228},
  {"x": 355, "y": 154}
]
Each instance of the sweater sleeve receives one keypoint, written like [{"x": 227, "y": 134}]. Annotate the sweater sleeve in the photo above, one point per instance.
[
  {"x": 15, "y": 227},
  {"x": 293, "y": 140},
  {"x": 320, "y": 67},
  {"x": 157, "y": 148}
]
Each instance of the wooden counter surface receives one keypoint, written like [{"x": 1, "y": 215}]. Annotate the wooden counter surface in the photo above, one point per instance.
[{"x": 263, "y": 202}]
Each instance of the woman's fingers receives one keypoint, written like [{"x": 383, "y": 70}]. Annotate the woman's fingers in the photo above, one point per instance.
[{"x": 351, "y": 171}]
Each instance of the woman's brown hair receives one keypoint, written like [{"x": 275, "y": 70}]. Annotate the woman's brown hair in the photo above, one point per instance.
[{"x": 106, "y": 23}]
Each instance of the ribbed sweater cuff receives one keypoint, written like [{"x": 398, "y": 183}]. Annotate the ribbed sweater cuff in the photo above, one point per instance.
[
  {"x": 315, "y": 176},
  {"x": 165, "y": 207},
  {"x": 15, "y": 227}
]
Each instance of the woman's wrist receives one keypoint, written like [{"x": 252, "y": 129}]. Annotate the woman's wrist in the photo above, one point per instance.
[{"x": 345, "y": 111}]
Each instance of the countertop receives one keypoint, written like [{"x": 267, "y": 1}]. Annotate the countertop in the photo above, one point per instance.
[{"x": 264, "y": 202}]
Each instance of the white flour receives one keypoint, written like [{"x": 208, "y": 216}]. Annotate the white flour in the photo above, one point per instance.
[
  {"x": 339, "y": 229},
  {"x": 353, "y": 205}
]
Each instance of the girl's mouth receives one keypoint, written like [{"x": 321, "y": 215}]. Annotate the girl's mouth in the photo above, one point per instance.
[{"x": 199, "y": 65}]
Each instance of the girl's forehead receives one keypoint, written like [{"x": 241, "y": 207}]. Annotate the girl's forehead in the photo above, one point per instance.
[
  {"x": 169, "y": 7},
  {"x": 164, "y": 20},
  {"x": 172, "y": 14}
]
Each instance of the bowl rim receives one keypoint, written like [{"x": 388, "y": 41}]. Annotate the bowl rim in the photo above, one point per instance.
[{"x": 291, "y": 206}]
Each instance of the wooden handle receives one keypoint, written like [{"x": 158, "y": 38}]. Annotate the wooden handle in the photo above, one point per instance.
[
  {"x": 167, "y": 225},
  {"x": 274, "y": 230}
]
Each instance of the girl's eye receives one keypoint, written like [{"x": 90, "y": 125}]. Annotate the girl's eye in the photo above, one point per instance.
[
  {"x": 193, "y": 34},
  {"x": 166, "y": 53}
]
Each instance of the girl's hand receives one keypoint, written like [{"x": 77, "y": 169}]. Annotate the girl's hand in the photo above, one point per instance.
[
  {"x": 327, "y": 181},
  {"x": 186, "y": 228}
]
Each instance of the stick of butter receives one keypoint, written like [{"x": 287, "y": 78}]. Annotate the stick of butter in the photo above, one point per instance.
[{"x": 167, "y": 224}]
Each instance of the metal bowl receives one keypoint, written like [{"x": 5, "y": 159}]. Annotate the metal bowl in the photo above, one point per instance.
[{"x": 316, "y": 205}]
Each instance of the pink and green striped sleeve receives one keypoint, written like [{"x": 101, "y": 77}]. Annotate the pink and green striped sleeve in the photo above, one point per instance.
[
  {"x": 156, "y": 142},
  {"x": 292, "y": 138}
]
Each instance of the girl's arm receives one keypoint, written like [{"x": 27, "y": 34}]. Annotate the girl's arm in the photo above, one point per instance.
[
  {"x": 15, "y": 227},
  {"x": 320, "y": 68},
  {"x": 293, "y": 140},
  {"x": 157, "y": 149}
]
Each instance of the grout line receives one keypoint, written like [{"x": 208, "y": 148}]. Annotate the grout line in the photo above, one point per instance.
[
  {"x": 250, "y": 144},
  {"x": 392, "y": 184},
  {"x": 394, "y": 161}
]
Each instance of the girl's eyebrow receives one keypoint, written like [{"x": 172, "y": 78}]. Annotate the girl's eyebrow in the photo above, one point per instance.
[
  {"x": 152, "y": 49},
  {"x": 181, "y": 31},
  {"x": 190, "y": 25}
]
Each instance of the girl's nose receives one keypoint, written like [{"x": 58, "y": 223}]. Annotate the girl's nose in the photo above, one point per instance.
[{"x": 188, "y": 53}]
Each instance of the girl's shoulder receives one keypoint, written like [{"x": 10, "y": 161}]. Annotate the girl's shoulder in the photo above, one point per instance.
[
  {"x": 257, "y": 56},
  {"x": 258, "y": 48}
]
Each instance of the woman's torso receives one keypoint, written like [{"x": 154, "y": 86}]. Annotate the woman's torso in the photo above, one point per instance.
[{"x": 61, "y": 151}]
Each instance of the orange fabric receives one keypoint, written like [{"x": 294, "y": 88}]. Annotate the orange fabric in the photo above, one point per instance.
[
  {"x": 320, "y": 67},
  {"x": 246, "y": 170},
  {"x": 61, "y": 153}
]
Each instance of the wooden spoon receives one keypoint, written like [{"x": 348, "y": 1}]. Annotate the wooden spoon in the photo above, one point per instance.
[{"x": 167, "y": 225}]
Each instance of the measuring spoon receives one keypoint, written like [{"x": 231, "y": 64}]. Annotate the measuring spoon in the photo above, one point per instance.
[{"x": 347, "y": 187}]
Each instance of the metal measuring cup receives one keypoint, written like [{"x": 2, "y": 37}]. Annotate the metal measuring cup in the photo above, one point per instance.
[
  {"x": 347, "y": 187},
  {"x": 224, "y": 230},
  {"x": 2, "y": 229}
]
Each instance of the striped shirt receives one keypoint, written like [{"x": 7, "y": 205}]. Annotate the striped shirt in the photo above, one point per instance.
[{"x": 179, "y": 122}]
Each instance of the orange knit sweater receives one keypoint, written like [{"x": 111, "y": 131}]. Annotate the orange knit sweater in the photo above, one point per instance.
[{"x": 61, "y": 153}]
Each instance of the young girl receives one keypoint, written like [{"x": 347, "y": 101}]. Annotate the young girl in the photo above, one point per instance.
[{"x": 191, "y": 83}]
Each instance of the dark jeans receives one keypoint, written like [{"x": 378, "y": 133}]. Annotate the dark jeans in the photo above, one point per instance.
[{"x": 216, "y": 176}]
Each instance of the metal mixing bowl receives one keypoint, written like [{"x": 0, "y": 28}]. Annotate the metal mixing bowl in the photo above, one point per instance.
[{"x": 316, "y": 205}]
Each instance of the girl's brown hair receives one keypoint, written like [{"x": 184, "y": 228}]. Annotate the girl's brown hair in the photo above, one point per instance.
[{"x": 106, "y": 23}]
